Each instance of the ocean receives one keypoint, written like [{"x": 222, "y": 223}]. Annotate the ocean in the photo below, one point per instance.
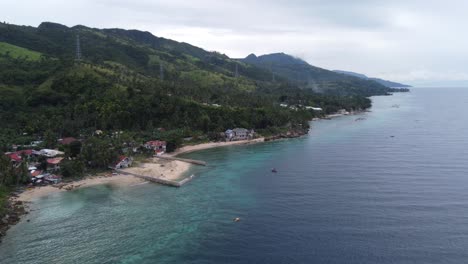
[{"x": 386, "y": 186}]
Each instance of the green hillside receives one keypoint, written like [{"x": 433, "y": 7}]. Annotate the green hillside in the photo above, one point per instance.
[{"x": 129, "y": 80}]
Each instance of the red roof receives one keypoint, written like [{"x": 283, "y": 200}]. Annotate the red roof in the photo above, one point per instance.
[
  {"x": 67, "y": 140},
  {"x": 54, "y": 161},
  {"x": 14, "y": 156},
  {"x": 34, "y": 173},
  {"x": 120, "y": 159}
]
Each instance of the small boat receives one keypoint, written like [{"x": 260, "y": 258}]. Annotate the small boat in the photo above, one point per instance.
[
  {"x": 274, "y": 170},
  {"x": 237, "y": 219}
]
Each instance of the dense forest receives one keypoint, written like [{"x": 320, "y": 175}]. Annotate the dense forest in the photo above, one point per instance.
[
  {"x": 133, "y": 81},
  {"x": 128, "y": 80}
]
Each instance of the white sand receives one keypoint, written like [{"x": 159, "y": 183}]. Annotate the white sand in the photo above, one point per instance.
[
  {"x": 32, "y": 194},
  {"x": 166, "y": 169},
  {"x": 187, "y": 149}
]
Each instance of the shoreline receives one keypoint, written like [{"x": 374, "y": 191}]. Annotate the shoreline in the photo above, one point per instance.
[
  {"x": 171, "y": 170},
  {"x": 209, "y": 145},
  {"x": 153, "y": 167},
  {"x": 20, "y": 200},
  {"x": 331, "y": 116},
  {"x": 32, "y": 194},
  {"x": 177, "y": 168}
]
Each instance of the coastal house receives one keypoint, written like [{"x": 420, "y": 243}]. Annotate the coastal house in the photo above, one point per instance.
[
  {"x": 229, "y": 134},
  {"x": 52, "y": 178},
  {"x": 18, "y": 156},
  {"x": 35, "y": 173},
  {"x": 50, "y": 153},
  {"x": 123, "y": 162},
  {"x": 343, "y": 112},
  {"x": 14, "y": 157},
  {"x": 53, "y": 164},
  {"x": 314, "y": 108},
  {"x": 47, "y": 153},
  {"x": 238, "y": 134},
  {"x": 158, "y": 146}
]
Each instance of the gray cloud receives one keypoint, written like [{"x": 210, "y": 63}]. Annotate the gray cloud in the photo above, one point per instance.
[{"x": 412, "y": 41}]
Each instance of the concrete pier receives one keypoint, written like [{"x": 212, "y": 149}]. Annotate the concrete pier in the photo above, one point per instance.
[
  {"x": 159, "y": 180},
  {"x": 196, "y": 162}
]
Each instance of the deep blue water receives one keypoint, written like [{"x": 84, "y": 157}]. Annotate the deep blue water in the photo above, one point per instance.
[{"x": 348, "y": 192}]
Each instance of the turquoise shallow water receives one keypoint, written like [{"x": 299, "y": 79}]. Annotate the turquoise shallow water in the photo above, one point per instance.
[{"x": 346, "y": 193}]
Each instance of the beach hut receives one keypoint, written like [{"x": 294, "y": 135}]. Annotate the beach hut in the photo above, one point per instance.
[{"x": 123, "y": 162}]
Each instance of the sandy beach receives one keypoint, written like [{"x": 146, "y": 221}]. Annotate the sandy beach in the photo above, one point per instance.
[
  {"x": 32, "y": 194},
  {"x": 171, "y": 170},
  {"x": 165, "y": 169},
  {"x": 187, "y": 149}
]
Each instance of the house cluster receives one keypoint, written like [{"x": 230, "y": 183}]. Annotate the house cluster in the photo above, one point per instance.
[
  {"x": 37, "y": 143},
  {"x": 314, "y": 108},
  {"x": 158, "y": 146},
  {"x": 43, "y": 178},
  {"x": 38, "y": 176},
  {"x": 50, "y": 174},
  {"x": 297, "y": 107},
  {"x": 239, "y": 134},
  {"x": 214, "y": 105},
  {"x": 27, "y": 154}
]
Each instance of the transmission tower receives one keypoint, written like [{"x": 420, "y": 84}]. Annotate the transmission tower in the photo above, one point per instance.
[
  {"x": 161, "y": 72},
  {"x": 78, "y": 48}
]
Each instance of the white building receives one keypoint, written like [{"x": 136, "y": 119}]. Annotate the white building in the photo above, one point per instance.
[
  {"x": 314, "y": 108},
  {"x": 123, "y": 162}
]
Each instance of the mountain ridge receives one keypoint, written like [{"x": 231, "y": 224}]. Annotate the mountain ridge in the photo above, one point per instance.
[
  {"x": 131, "y": 80},
  {"x": 308, "y": 76},
  {"x": 389, "y": 84}
]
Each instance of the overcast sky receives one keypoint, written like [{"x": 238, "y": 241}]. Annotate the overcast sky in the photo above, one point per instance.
[{"x": 420, "y": 42}]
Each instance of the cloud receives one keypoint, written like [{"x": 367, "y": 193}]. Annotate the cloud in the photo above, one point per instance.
[{"x": 407, "y": 41}]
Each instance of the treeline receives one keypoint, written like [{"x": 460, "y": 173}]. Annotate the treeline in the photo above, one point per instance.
[
  {"x": 77, "y": 99},
  {"x": 118, "y": 86}
]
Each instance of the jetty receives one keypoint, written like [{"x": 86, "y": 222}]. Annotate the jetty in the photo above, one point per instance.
[
  {"x": 192, "y": 161},
  {"x": 158, "y": 179}
]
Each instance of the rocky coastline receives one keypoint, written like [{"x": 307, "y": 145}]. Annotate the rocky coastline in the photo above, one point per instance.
[
  {"x": 14, "y": 211},
  {"x": 288, "y": 134}
]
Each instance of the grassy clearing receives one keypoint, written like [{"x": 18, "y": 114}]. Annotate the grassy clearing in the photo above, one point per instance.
[{"x": 19, "y": 52}]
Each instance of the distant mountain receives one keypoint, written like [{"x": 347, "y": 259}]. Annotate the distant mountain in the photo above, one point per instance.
[
  {"x": 381, "y": 81},
  {"x": 362, "y": 76},
  {"x": 306, "y": 76}
]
